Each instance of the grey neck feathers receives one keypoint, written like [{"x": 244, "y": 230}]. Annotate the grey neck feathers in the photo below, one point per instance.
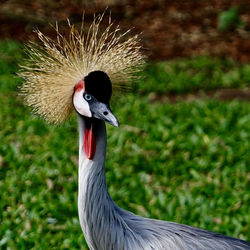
[
  {"x": 105, "y": 225},
  {"x": 97, "y": 212}
]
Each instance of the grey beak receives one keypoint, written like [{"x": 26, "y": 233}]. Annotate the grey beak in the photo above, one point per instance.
[{"x": 103, "y": 112}]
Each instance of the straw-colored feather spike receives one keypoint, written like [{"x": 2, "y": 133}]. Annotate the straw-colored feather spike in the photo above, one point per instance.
[{"x": 55, "y": 67}]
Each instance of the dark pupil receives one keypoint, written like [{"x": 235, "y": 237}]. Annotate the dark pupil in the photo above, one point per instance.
[{"x": 88, "y": 97}]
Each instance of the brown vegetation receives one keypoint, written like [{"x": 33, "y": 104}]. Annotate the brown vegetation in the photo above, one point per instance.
[{"x": 169, "y": 29}]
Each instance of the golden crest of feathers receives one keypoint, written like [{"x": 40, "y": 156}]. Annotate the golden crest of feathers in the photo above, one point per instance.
[{"x": 55, "y": 67}]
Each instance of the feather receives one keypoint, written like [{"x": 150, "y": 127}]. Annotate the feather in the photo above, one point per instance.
[{"x": 55, "y": 67}]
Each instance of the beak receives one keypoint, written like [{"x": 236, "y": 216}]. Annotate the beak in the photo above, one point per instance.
[{"x": 103, "y": 112}]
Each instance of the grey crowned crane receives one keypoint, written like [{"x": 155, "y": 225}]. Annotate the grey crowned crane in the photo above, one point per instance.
[{"x": 76, "y": 73}]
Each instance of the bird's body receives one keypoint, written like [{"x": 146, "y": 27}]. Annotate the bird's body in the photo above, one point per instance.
[
  {"x": 77, "y": 74},
  {"x": 106, "y": 226}
]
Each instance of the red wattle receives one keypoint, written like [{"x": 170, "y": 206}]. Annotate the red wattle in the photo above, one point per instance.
[{"x": 89, "y": 143}]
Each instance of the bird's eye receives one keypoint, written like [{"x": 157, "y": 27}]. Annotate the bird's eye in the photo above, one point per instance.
[{"x": 87, "y": 97}]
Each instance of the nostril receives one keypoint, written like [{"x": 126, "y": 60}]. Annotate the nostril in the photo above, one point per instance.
[{"x": 105, "y": 112}]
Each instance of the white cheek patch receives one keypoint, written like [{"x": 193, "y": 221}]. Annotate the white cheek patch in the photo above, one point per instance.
[{"x": 81, "y": 105}]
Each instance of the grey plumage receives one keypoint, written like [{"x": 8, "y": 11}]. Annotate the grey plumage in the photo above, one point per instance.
[{"x": 106, "y": 226}]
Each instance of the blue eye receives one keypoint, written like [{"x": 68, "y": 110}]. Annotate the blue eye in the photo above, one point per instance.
[{"x": 87, "y": 97}]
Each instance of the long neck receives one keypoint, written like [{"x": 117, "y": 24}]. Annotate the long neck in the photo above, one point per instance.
[
  {"x": 95, "y": 205},
  {"x": 105, "y": 225}
]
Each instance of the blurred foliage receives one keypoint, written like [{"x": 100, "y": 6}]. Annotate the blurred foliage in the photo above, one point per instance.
[
  {"x": 10, "y": 55},
  {"x": 186, "y": 162},
  {"x": 229, "y": 19},
  {"x": 193, "y": 74}
]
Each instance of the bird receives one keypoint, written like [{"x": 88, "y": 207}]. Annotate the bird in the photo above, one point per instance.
[{"x": 79, "y": 72}]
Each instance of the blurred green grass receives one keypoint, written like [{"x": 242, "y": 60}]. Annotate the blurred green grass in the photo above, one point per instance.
[
  {"x": 186, "y": 162},
  {"x": 194, "y": 74}
]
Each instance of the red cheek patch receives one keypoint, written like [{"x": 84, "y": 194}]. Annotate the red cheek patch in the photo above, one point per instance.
[
  {"x": 80, "y": 86},
  {"x": 89, "y": 143}
]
